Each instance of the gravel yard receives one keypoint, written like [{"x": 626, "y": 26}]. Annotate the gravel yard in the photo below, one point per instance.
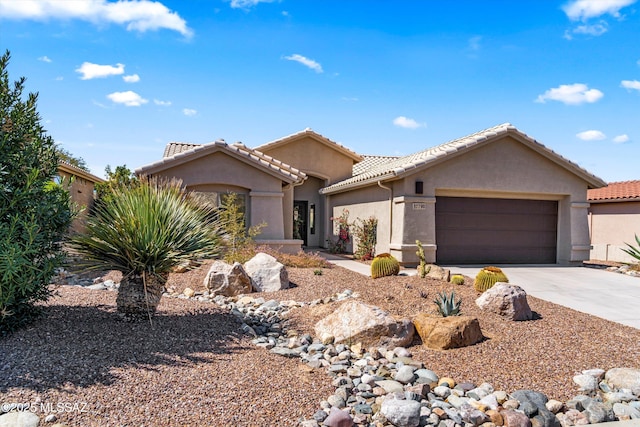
[{"x": 193, "y": 367}]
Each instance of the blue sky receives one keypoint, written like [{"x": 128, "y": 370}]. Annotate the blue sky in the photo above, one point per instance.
[{"x": 118, "y": 80}]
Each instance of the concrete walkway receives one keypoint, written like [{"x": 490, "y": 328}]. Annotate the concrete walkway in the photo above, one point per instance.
[{"x": 601, "y": 293}]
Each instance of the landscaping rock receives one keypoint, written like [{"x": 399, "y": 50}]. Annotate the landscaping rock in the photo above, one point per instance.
[
  {"x": 507, "y": 300},
  {"x": 401, "y": 413},
  {"x": 227, "y": 280},
  {"x": 19, "y": 419},
  {"x": 443, "y": 333},
  {"x": 338, "y": 418},
  {"x": 267, "y": 274},
  {"x": 627, "y": 378},
  {"x": 357, "y": 322},
  {"x": 439, "y": 273}
]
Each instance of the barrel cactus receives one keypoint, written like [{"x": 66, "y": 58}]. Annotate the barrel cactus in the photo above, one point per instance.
[
  {"x": 384, "y": 265},
  {"x": 487, "y": 277},
  {"x": 457, "y": 279}
]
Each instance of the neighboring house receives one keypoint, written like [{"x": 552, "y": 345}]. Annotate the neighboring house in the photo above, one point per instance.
[
  {"x": 81, "y": 185},
  {"x": 497, "y": 196},
  {"x": 614, "y": 219}
]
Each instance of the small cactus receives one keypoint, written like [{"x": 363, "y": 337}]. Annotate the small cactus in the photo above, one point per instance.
[
  {"x": 422, "y": 267},
  {"x": 447, "y": 304},
  {"x": 487, "y": 277},
  {"x": 457, "y": 279},
  {"x": 384, "y": 265}
]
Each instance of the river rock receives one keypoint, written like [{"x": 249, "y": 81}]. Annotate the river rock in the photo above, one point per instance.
[
  {"x": 20, "y": 419},
  {"x": 628, "y": 378},
  {"x": 401, "y": 413}
]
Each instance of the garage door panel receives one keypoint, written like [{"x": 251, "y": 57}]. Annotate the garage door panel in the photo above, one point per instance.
[{"x": 478, "y": 230}]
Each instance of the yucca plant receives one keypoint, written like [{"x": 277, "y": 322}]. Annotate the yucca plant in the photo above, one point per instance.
[
  {"x": 144, "y": 232},
  {"x": 487, "y": 277},
  {"x": 447, "y": 304},
  {"x": 634, "y": 251},
  {"x": 384, "y": 265}
]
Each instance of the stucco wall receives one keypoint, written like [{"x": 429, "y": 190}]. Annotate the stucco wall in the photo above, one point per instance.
[
  {"x": 221, "y": 172},
  {"x": 314, "y": 158},
  {"x": 505, "y": 168},
  {"x": 81, "y": 193},
  {"x": 613, "y": 224}
]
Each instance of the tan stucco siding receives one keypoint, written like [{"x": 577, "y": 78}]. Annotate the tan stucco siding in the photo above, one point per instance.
[
  {"x": 364, "y": 203},
  {"x": 221, "y": 172},
  {"x": 81, "y": 193},
  {"x": 314, "y": 158},
  {"x": 612, "y": 225}
]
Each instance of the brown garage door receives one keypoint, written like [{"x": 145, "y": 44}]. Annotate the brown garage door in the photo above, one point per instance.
[{"x": 495, "y": 231}]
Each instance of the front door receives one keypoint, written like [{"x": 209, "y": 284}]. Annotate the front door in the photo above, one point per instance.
[{"x": 300, "y": 209}]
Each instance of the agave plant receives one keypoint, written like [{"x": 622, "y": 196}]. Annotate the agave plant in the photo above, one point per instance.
[
  {"x": 144, "y": 232},
  {"x": 447, "y": 304},
  {"x": 634, "y": 251}
]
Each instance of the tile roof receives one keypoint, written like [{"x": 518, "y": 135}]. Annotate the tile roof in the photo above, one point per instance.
[
  {"x": 74, "y": 170},
  {"x": 237, "y": 150},
  {"x": 315, "y": 135},
  {"x": 178, "y": 147},
  {"x": 616, "y": 191},
  {"x": 369, "y": 161},
  {"x": 407, "y": 164}
]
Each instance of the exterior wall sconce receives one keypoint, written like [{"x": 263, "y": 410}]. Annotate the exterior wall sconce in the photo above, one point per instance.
[{"x": 419, "y": 187}]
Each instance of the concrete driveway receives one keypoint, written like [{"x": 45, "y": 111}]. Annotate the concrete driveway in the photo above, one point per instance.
[{"x": 605, "y": 294}]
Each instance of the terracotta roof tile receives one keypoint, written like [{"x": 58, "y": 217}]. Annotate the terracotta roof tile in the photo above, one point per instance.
[
  {"x": 623, "y": 190},
  {"x": 369, "y": 161},
  {"x": 177, "y": 147}
]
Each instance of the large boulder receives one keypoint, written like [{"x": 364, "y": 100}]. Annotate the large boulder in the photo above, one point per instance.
[
  {"x": 228, "y": 280},
  {"x": 628, "y": 378},
  {"x": 443, "y": 333},
  {"x": 506, "y": 300},
  {"x": 356, "y": 322},
  {"x": 267, "y": 274}
]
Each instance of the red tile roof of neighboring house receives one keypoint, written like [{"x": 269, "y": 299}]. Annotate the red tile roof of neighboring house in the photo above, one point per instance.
[{"x": 624, "y": 190}]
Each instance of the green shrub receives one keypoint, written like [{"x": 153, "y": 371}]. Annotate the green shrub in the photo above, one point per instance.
[
  {"x": 384, "y": 265},
  {"x": 144, "y": 232},
  {"x": 317, "y": 272},
  {"x": 447, "y": 304},
  {"x": 35, "y": 213},
  {"x": 365, "y": 234},
  {"x": 487, "y": 277},
  {"x": 457, "y": 279}
]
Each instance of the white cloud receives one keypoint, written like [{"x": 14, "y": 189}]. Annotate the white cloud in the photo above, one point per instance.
[
  {"x": 45, "y": 59},
  {"x": 591, "y": 135},
  {"x": 247, "y": 4},
  {"x": 621, "y": 139},
  {"x": 137, "y": 15},
  {"x": 630, "y": 84},
  {"x": 591, "y": 30},
  {"x": 128, "y": 98},
  {"x": 162, "y": 103},
  {"x": 349, "y": 99},
  {"x": 474, "y": 43},
  {"x": 584, "y": 9},
  {"x": 189, "y": 112},
  {"x": 133, "y": 78},
  {"x": 407, "y": 123},
  {"x": 310, "y": 63},
  {"x": 574, "y": 94},
  {"x": 95, "y": 71}
]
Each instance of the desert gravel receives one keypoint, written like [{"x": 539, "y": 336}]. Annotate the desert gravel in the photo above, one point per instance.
[{"x": 194, "y": 368}]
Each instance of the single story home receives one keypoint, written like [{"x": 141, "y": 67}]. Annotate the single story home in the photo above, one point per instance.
[
  {"x": 497, "y": 196},
  {"x": 614, "y": 219},
  {"x": 81, "y": 187}
]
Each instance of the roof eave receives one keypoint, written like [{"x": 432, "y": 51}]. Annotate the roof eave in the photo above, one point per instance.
[{"x": 358, "y": 184}]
